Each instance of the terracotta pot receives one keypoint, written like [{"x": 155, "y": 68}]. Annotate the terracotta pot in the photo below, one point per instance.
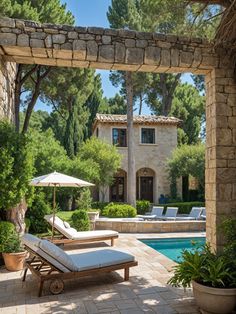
[
  {"x": 214, "y": 300},
  {"x": 14, "y": 261}
]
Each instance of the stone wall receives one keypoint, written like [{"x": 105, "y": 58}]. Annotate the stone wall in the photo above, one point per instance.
[
  {"x": 7, "y": 84},
  {"x": 151, "y": 156},
  {"x": 221, "y": 148},
  {"x": 150, "y": 226},
  {"x": 63, "y": 45}
]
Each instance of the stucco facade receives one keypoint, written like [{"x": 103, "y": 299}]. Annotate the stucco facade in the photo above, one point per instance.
[{"x": 150, "y": 159}]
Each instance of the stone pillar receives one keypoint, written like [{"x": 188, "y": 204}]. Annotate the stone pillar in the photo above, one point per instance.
[
  {"x": 7, "y": 85},
  {"x": 220, "y": 150}
]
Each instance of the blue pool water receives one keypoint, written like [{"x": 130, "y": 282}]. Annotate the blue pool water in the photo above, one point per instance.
[{"x": 172, "y": 248}]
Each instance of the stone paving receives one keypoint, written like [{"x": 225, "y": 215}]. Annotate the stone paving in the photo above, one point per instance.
[{"x": 145, "y": 292}]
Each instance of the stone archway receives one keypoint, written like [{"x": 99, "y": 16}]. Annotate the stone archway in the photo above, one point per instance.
[{"x": 29, "y": 42}]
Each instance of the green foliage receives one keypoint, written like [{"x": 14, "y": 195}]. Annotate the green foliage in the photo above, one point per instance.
[
  {"x": 228, "y": 228},
  {"x": 80, "y": 220},
  {"x": 99, "y": 205},
  {"x": 188, "y": 160},
  {"x": 114, "y": 210},
  {"x": 172, "y": 17},
  {"x": 70, "y": 102},
  {"x": 184, "y": 207},
  {"x": 114, "y": 105},
  {"x": 204, "y": 267},
  {"x": 50, "y": 11},
  {"x": 142, "y": 207},
  {"x": 36, "y": 213},
  {"x": 106, "y": 158},
  {"x": 124, "y": 14},
  {"x": 65, "y": 215},
  {"x": 49, "y": 154},
  {"x": 9, "y": 238},
  {"x": 189, "y": 106},
  {"x": 16, "y": 164},
  {"x": 93, "y": 104},
  {"x": 84, "y": 200}
]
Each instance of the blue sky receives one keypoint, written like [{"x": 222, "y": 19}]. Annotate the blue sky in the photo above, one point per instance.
[{"x": 93, "y": 13}]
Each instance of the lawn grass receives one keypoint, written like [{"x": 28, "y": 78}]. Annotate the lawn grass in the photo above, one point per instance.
[{"x": 65, "y": 215}]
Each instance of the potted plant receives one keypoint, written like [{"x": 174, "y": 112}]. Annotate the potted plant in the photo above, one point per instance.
[
  {"x": 13, "y": 254},
  {"x": 213, "y": 276}
]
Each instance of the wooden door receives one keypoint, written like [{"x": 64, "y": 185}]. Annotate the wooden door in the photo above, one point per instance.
[
  {"x": 117, "y": 191},
  {"x": 146, "y": 188}
]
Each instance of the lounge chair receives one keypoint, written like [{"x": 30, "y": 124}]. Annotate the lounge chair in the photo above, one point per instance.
[
  {"x": 155, "y": 213},
  {"x": 171, "y": 213},
  {"x": 203, "y": 214},
  {"x": 194, "y": 214},
  {"x": 72, "y": 236},
  {"x": 49, "y": 262}
]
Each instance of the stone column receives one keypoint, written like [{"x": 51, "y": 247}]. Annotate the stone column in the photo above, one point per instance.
[{"x": 220, "y": 150}]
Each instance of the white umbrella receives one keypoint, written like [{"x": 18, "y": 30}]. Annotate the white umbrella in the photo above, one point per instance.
[{"x": 56, "y": 179}]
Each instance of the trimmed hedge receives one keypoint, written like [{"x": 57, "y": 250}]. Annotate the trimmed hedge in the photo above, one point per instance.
[
  {"x": 142, "y": 207},
  {"x": 114, "y": 210},
  {"x": 184, "y": 207}
]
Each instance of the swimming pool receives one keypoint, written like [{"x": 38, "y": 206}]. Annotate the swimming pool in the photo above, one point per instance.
[{"x": 173, "y": 247}]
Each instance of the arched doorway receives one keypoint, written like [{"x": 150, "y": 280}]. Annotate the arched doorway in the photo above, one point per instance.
[
  {"x": 118, "y": 189},
  {"x": 145, "y": 184}
]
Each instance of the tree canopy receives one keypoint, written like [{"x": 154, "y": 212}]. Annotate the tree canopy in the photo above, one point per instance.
[{"x": 188, "y": 160}]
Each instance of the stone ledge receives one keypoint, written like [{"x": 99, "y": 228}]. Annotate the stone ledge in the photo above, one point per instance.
[{"x": 150, "y": 226}]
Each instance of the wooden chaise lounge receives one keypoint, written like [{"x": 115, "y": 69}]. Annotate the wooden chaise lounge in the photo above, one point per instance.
[
  {"x": 49, "y": 262},
  {"x": 69, "y": 235}
]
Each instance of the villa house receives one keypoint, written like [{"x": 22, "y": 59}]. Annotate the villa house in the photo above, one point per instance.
[{"x": 155, "y": 138}]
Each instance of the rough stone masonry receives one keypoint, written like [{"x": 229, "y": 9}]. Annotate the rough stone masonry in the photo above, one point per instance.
[
  {"x": 63, "y": 45},
  {"x": 29, "y": 42}
]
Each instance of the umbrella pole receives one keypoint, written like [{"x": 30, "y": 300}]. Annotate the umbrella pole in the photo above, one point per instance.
[{"x": 53, "y": 209}]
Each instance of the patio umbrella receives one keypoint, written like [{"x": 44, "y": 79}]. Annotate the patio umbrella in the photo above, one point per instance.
[{"x": 56, "y": 179}]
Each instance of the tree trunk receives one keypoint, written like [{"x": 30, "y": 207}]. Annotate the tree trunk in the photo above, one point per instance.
[
  {"x": 131, "y": 178},
  {"x": 140, "y": 104},
  {"x": 16, "y": 215},
  {"x": 17, "y": 97}
]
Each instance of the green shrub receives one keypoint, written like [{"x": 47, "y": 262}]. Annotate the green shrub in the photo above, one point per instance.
[
  {"x": 36, "y": 213},
  {"x": 9, "y": 238},
  {"x": 184, "y": 207},
  {"x": 80, "y": 220},
  {"x": 99, "y": 205},
  {"x": 142, "y": 207},
  {"x": 114, "y": 210},
  {"x": 84, "y": 200}
]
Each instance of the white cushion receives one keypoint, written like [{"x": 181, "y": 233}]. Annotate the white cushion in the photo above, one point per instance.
[
  {"x": 66, "y": 224},
  {"x": 58, "y": 254},
  {"x": 86, "y": 235},
  {"x": 33, "y": 243},
  {"x": 51, "y": 260},
  {"x": 59, "y": 225},
  {"x": 73, "y": 234},
  {"x": 30, "y": 240},
  {"x": 101, "y": 258}
]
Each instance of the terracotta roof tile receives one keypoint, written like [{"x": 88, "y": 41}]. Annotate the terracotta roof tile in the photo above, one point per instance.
[{"x": 149, "y": 119}]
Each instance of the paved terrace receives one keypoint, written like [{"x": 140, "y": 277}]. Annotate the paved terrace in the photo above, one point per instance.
[
  {"x": 62, "y": 45},
  {"x": 146, "y": 292}
]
